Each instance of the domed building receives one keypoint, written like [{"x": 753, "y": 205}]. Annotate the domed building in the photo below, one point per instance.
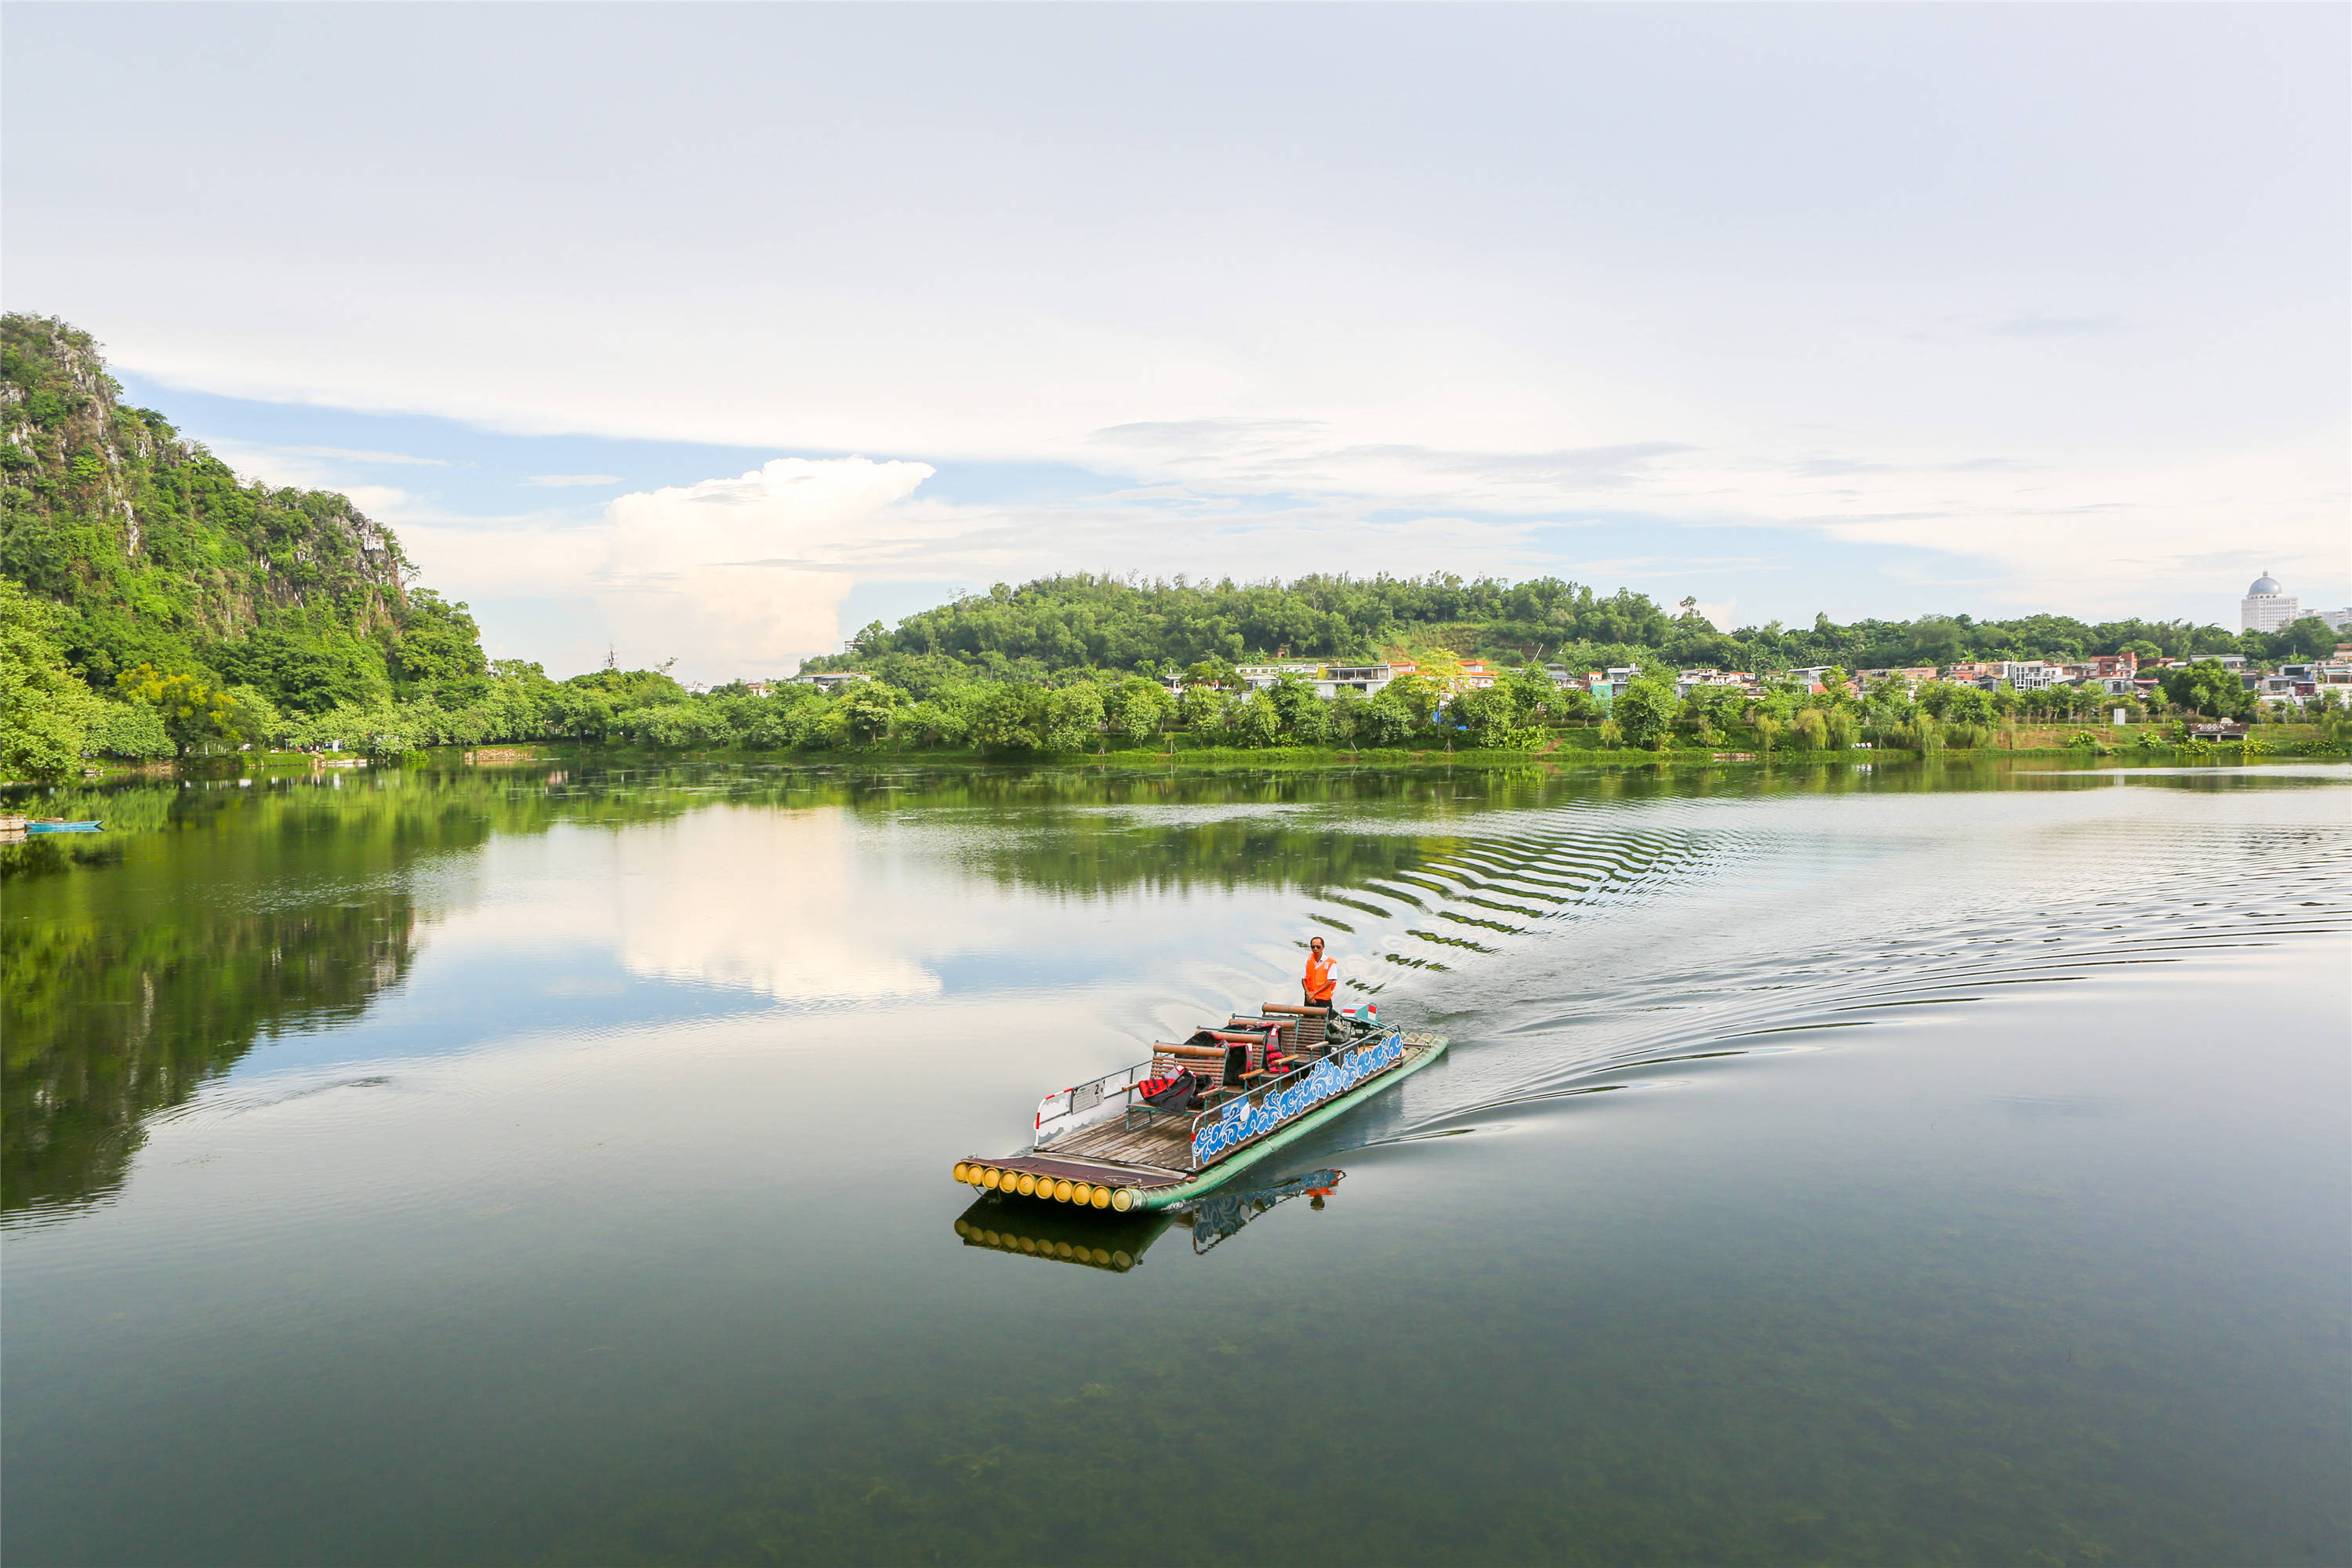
[{"x": 2266, "y": 606}]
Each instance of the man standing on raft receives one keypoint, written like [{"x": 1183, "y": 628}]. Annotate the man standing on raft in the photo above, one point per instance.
[{"x": 1322, "y": 975}]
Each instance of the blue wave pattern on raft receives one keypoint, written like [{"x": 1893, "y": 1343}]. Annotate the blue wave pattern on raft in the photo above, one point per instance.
[{"x": 1253, "y": 1114}]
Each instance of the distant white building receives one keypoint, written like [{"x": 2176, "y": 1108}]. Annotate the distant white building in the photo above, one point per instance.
[
  {"x": 2266, "y": 606},
  {"x": 2340, "y": 619},
  {"x": 1328, "y": 679},
  {"x": 1363, "y": 679},
  {"x": 2030, "y": 675}
]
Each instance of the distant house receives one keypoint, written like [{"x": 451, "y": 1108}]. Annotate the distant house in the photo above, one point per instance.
[
  {"x": 1363, "y": 679},
  {"x": 829, "y": 680},
  {"x": 2030, "y": 674},
  {"x": 2022, "y": 674},
  {"x": 1260, "y": 677}
]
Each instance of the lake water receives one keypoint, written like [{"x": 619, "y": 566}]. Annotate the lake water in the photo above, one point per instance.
[{"x": 1925, "y": 1164}]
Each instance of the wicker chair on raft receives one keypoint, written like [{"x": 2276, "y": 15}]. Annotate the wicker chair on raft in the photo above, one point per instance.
[{"x": 1251, "y": 1050}]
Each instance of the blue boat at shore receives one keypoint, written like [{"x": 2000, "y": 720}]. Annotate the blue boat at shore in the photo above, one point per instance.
[{"x": 57, "y": 825}]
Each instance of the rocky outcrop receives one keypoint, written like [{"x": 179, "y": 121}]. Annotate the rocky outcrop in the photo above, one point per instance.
[{"x": 106, "y": 508}]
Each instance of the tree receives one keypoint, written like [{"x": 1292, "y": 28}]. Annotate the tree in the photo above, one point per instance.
[
  {"x": 131, "y": 731},
  {"x": 308, "y": 669},
  {"x": 1645, "y": 710},
  {"x": 1008, "y": 718},
  {"x": 44, "y": 710},
  {"x": 1492, "y": 717},
  {"x": 866, "y": 710},
  {"x": 1707, "y": 709},
  {"x": 253, "y": 716},
  {"x": 1074, "y": 718},
  {"x": 1954, "y": 704},
  {"x": 1304, "y": 720},
  {"x": 1257, "y": 722},
  {"x": 2308, "y": 637},
  {"x": 1137, "y": 708},
  {"x": 193, "y": 713},
  {"x": 1346, "y": 714},
  {"x": 2208, "y": 688},
  {"x": 1201, "y": 707},
  {"x": 1385, "y": 719},
  {"x": 1419, "y": 694},
  {"x": 439, "y": 652}
]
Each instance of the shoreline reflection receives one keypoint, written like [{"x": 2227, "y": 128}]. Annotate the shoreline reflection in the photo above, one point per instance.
[{"x": 1117, "y": 1242}]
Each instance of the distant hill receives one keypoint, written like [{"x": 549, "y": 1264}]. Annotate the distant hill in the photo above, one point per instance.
[
  {"x": 154, "y": 554},
  {"x": 1058, "y": 627}
]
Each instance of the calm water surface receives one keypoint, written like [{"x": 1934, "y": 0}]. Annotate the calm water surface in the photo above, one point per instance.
[{"x": 1918, "y": 1165}]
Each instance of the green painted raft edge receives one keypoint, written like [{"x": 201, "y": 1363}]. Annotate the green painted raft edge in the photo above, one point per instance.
[{"x": 1224, "y": 1171}]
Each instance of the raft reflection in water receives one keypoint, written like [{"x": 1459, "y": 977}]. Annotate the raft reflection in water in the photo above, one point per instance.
[{"x": 1117, "y": 1241}]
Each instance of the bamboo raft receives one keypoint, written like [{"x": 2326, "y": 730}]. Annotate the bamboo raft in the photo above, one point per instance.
[{"x": 1265, "y": 1080}]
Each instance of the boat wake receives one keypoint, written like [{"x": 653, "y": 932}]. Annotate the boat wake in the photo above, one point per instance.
[{"x": 1565, "y": 948}]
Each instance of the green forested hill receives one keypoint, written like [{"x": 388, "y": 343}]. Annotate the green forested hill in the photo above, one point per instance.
[
  {"x": 153, "y": 601},
  {"x": 154, "y": 554},
  {"x": 1059, "y": 627}
]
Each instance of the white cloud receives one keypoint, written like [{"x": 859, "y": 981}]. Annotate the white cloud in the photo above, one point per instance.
[
  {"x": 2074, "y": 308},
  {"x": 730, "y": 576},
  {"x": 744, "y": 573}
]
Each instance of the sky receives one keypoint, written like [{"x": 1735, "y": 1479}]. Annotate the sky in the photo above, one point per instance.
[{"x": 712, "y": 332}]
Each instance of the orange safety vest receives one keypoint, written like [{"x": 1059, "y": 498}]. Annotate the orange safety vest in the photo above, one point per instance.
[{"x": 1319, "y": 978}]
